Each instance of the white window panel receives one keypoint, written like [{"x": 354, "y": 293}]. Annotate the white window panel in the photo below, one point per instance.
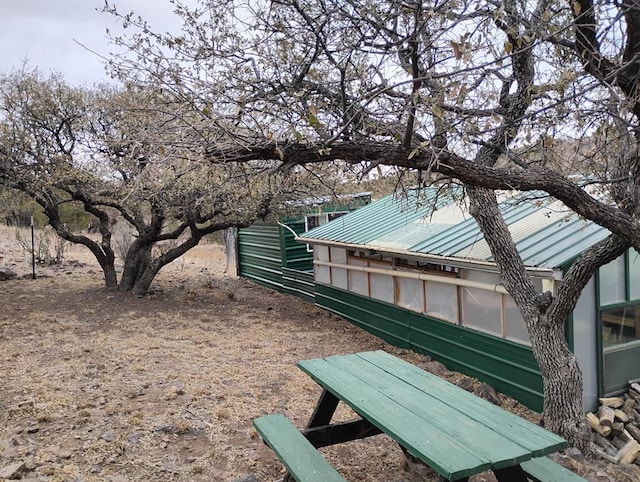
[
  {"x": 358, "y": 280},
  {"x": 339, "y": 278},
  {"x": 410, "y": 294},
  {"x": 442, "y": 300}
]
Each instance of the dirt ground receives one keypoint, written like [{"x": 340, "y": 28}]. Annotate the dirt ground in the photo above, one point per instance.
[{"x": 103, "y": 386}]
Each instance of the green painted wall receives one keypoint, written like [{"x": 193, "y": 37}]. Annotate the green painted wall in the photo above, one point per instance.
[
  {"x": 295, "y": 254},
  {"x": 269, "y": 255},
  {"x": 299, "y": 283},
  {"x": 508, "y": 367},
  {"x": 259, "y": 255}
]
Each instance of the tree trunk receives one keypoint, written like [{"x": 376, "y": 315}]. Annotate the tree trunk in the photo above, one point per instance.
[
  {"x": 135, "y": 264},
  {"x": 562, "y": 379},
  {"x": 110, "y": 277},
  {"x": 145, "y": 278}
]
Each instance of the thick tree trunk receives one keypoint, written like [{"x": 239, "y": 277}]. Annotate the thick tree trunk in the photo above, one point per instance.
[
  {"x": 135, "y": 264},
  {"x": 145, "y": 278},
  {"x": 110, "y": 276},
  {"x": 562, "y": 379}
]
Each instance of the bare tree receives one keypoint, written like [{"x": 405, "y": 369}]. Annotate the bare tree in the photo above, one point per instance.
[{"x": 119, "y": 156}]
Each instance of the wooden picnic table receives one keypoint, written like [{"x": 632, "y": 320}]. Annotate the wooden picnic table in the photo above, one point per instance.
[{"x": 451, "y": 430}]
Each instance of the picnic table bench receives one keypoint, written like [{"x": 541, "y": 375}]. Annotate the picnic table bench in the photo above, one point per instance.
[{"x": 449, "y": 429}]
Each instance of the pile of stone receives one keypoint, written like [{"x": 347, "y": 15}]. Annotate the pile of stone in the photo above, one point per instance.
[{"x": 617, "y": 427}]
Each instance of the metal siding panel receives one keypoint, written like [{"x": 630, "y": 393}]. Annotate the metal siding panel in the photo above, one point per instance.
[
  {"x": 260, "y": 255},
  {"x": 299, "y": 283},
  {"x": 295, "y": 254},
  {"x": 465, "y": 235},
  {"x": 542, "y": 239},
  {"x": 560, "y": 242}
]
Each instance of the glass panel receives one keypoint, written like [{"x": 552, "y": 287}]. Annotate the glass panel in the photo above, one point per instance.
[
  {"x": 634, "y": 275},
  {"x": 612, "y": 282},
  {"x": 336, "y": 215},
  {"x": 410, "y": 294},
  {"x": 314, "y": 220},
  {"x": 516, "y": 329},
  {"x": 481, "y": 276},
  {"x": 442, "y": 300},
  {"x": 620, "y": 325},
  {"x": 358, "y": 280},
  {"x": 339, "y": 278}
]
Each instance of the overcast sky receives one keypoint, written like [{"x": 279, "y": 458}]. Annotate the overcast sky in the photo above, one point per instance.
[{"x": 44, "y": 32}]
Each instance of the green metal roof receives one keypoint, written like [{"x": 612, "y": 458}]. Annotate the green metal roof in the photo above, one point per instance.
[{"x": 428, "y": 223}]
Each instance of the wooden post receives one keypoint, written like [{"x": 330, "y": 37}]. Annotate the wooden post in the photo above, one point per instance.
[{"x": 33, "y": 251}]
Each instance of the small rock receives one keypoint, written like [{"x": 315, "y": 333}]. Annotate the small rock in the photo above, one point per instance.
[
  {"x": 465, "y": 383},
  {"x": 9, "y": 453},
  {"x": 133, "y": 437},
  {"x": 510, "y": 404},
  {"x": 170, "y": 467},
  {"x": 487, "y": 392},
  {"x": 166, "y": 429},
  {"x": 436, "y": 368},
  {"x": 116, "y": 478},
  {"x": 109, "y": 436},
  {"x": 33, "y": 429},
  {"x": 179, "y": 387},
  {"x": 246, "y": 478},
  {"x": 13, "y": 471},
  {"x": 7, "y": 274}
]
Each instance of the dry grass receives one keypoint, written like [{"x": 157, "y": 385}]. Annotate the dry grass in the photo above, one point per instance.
[{"x": 100, "y": 386}]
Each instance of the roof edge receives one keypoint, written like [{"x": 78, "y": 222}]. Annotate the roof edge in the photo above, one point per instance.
[{"x": 453, "y": 261}]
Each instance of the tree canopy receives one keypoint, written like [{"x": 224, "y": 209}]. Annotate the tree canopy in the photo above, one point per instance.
[{"x": 131, "y": 159}]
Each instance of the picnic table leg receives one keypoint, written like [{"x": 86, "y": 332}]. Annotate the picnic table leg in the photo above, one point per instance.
[
  {"x": 326, "y": 407},
  {"x": 510, "y": 474},
  {"x": 324, "y": 410}
]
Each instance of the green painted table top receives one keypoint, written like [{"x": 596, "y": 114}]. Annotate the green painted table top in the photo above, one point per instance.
[{"x": 451, "y": 430}]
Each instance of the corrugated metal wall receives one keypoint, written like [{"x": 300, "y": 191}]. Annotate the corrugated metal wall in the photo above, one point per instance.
[
  {"x": 269, "y": 255},
  {"x": 260, "y": 256},
  {"x": 508, "y": 367}
]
